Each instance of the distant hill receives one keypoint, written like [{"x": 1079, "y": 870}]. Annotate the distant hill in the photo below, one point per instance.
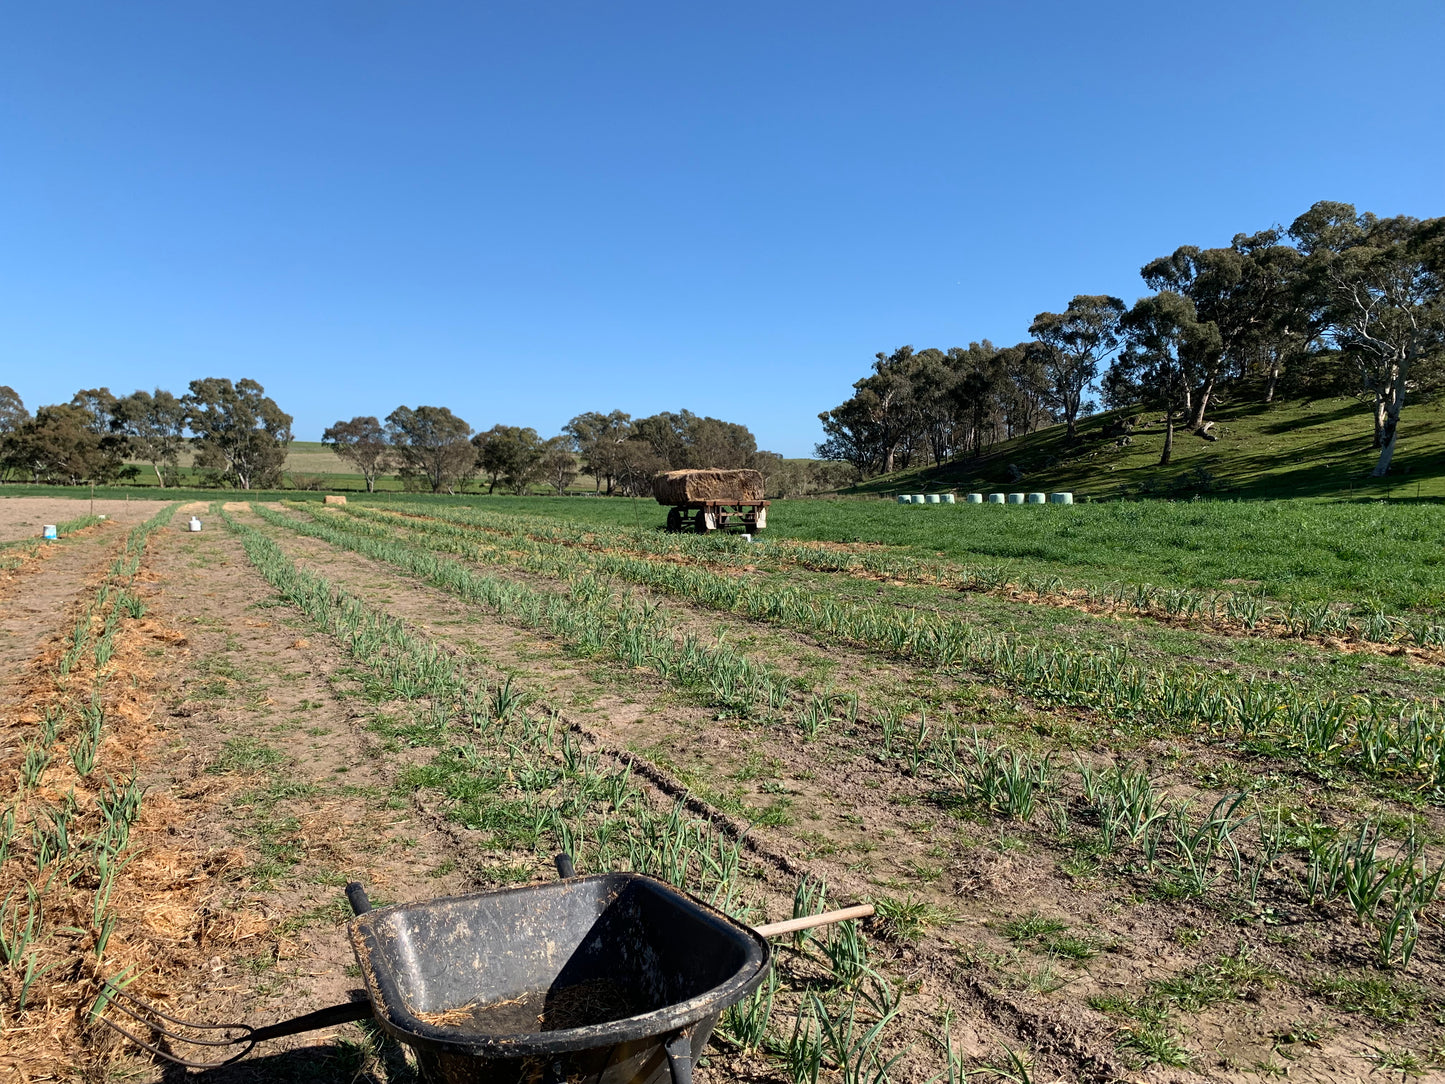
[{"x": 1319, "y": 447}]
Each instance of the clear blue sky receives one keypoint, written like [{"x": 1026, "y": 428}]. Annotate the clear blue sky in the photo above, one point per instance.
[{"x": 527, "y": 210}]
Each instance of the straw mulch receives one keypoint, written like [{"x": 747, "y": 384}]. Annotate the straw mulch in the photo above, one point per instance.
[{"x": 162, "y": 926}]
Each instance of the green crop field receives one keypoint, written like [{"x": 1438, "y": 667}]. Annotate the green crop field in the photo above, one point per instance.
[
  {"x": 1168, "y": 775},
  {"x": 1371, "y": 552}
]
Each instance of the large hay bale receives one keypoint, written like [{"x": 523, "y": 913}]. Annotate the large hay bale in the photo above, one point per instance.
[
  {"x": 333, "y": 498},
  {"x": 690, "y": 486}
]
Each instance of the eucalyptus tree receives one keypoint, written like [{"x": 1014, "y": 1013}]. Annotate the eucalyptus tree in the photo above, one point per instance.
[
  {"x": 154, "y": 425},
  {"x": 1166, "y": 348},
  {"x": 12, "y": 416},
  {"x": 59, "y": 444},
  {"x": 1026, "y": 390},
  {"x": 12, "y": 410},
  {"x": 1246, "y": 291},
  {"x": 636, "y": 466},
  {"x": 558, "y": 464},
  {"x": 852, "y": 434},
  {"x": 238, "y": 430},
  {"x": 932, "y": 375},
  {"x": 99, "y": 407},
  {"x": 712, "y": 442},
  {"x": 974, "y": 394},
  {"x": 1380, "y": 288},
  {"x": 362, "y": 443},
  {"x": 597, "y": 438},
  {"x": 510, "y": 454},
  {"x": 869, "y": 428},
  {"x": 1081, "y": 338},
  {"x": 432, "y": 446},
  {"x": 888, "y": 396},
  {"x": 669, "y": 435},
  {"x": 1284, "y": 327}
]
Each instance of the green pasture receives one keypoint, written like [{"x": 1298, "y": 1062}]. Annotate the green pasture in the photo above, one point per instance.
[
  {"x": 1373, "y": 552},
  {"x": 1290, "y": 448}
]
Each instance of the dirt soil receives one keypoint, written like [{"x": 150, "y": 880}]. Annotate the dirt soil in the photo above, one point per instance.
[
  {"x": 23, "y": 517},
  {"x": 865, "y": 827},
  {"x": 278, "y": 800}
]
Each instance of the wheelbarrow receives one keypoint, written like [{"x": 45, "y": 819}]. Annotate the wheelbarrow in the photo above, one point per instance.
[{"x": 616, "y": 978}]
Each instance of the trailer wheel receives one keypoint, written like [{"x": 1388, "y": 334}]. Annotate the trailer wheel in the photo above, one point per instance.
[{"x": 674, "y": 520}]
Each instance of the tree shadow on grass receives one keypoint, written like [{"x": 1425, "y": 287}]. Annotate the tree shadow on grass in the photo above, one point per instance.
[{"x": 1306, "y": 420}]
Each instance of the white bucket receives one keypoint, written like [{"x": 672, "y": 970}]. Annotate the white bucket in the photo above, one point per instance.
[
  {"x": 195, "y": 524},
  {"x": 747, "y": 538},
  {"x": 48, "y": 532}
]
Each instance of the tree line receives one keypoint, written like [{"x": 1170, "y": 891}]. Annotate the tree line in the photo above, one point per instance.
[
  {"x": 1340, "y": 302},
  {"x": 430, "y": 447},
  {"x": 238, "y": 433},
  {"x": 240, "y": 436}
]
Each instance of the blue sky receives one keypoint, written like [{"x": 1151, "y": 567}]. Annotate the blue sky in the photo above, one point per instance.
[{"x": 523, "y": 211}]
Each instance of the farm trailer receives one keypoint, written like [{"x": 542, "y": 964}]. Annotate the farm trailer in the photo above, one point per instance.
[{"x": 712, "y": 500}]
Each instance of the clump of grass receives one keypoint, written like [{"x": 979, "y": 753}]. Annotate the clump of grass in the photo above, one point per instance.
[
  {"x": 1156, "y": 1045},
  {"x": 1382, "y": 997},
  {"x": 1032, "y": 926},
  {"x": 905, "y": 920},
  {"x": 1051, "y": 935},
  {"x": 1071, "y": 947},
  {"x": 1149, "y": 1038},
  {"x": 1405, "y": 1062},
  {"x": 245, "y": 754}
]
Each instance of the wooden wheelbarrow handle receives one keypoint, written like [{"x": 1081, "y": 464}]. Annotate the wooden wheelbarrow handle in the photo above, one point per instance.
[{"x": 807, "y": 922}]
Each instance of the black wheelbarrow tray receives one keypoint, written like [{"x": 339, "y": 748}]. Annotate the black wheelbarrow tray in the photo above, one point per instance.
[
  {"x": 616, "y": 978},
  {"x": 612, "y": 979}
]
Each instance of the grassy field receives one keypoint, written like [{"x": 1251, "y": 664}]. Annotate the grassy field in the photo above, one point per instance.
[
  {"x": 1373, "y": 553},
  {"x": 1145, "y": 834},
  {"x": 1367, "y": 554}
]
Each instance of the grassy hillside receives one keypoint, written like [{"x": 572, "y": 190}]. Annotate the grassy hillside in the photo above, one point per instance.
[{"x": 1286, "y": 449}]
